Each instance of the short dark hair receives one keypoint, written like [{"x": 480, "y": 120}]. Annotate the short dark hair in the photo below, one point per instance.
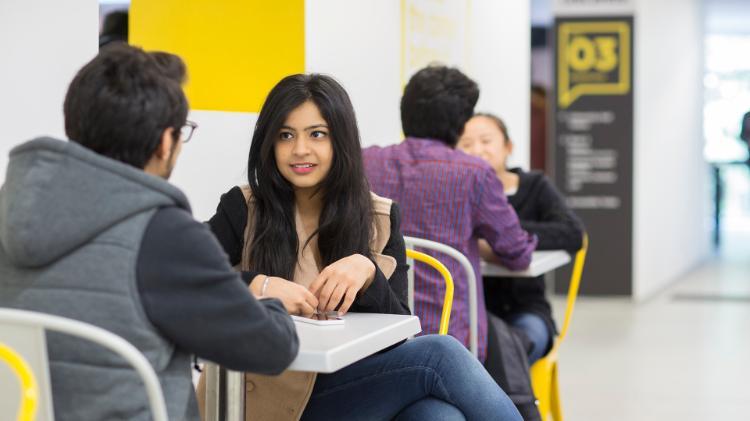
[
  {"x": 120, "y": 103},
  {"x": 171, "y": 65},
  {"x": 437, "y": 102}
]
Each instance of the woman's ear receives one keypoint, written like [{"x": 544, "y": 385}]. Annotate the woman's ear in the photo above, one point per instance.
[{"x": 509, "y": 146}]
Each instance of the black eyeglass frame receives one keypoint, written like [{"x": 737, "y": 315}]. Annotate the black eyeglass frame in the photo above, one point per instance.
[{"x": 189, "y": 128}]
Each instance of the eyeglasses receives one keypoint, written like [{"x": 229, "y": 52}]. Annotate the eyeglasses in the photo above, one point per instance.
[{"x": 186, "y": 131}]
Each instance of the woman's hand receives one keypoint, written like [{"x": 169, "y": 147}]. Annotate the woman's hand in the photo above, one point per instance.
[
  {"x": 297, "y": 299},
  {"x": 341, "y": 280}
]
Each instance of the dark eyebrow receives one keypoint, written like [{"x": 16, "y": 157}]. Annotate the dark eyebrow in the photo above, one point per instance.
[{"x": 315, "y": 126}]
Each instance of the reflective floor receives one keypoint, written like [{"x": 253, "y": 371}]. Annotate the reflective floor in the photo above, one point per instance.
[{"x": 683, "y": 355}]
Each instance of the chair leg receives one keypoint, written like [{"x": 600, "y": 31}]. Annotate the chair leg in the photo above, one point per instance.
[
  {"x": 542, "y": 383},
  {"x": 544, "y": 410},
  {"x": 543, "y": 400},
  {"x": 555, "y": 401}
]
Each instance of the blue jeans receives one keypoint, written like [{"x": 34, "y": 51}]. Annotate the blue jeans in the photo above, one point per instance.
[
  {"x": 426, "y": 378},
  {"x": 536, "y": 330}
]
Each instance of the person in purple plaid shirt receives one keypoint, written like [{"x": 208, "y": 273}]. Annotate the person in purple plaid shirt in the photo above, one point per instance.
[{"x": 446, "y": 196}]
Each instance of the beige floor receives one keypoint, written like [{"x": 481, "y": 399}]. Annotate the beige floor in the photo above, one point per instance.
[{"x": 683, "y": 355}]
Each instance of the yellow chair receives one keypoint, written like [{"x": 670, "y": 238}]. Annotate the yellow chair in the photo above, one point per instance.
[
  {"x": 445, "y": 317},
  {"x": 544, "y": 376},
  {"x": 23, "y": 347},
  {"x": 29, "y": 388},
  {"x": 471, "y": 283}
]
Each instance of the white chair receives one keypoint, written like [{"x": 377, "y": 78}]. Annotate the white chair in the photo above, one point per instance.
[
  {"x": 23, "y": 348},
  {"x": 471, "y": 278}
]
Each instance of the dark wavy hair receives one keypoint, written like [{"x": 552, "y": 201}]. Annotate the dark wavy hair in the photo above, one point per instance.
[
  {"x": 345, "y": 225},
  {"x": 437, "y": 103}
]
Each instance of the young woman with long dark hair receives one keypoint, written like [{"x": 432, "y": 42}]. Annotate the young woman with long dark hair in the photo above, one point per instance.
[{"x": 308, "y": 231}]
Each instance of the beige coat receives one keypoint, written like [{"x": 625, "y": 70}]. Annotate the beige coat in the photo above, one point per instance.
[{"x": 284, "y": 397}]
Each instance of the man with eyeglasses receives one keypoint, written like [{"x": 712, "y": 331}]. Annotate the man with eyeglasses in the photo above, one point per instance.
[{"x": 91, "y": 230}]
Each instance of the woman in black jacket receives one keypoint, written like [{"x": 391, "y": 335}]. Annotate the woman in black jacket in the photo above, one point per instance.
[
  {"x": 521, "y": 302},
  {"x": 308, "y": 231}
]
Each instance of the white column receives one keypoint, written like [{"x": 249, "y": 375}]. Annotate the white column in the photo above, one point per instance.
[{"x": 671, "y": 194}]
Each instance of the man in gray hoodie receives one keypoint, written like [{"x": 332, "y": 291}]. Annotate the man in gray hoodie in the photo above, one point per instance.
[{"x": 91, "y": 230}]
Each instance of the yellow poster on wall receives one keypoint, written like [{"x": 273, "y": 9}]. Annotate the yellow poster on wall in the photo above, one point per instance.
[
  {"x": 433, "y": 31},
  {"x": 235, "y": 50},
  {"x": 593, "y": 59}
]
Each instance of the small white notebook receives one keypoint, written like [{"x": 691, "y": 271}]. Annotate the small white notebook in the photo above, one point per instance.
[{"x": 330, "y": 320}]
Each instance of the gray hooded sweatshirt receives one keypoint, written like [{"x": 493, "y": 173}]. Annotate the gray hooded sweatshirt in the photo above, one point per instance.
[{"x": 72, "y": 224}]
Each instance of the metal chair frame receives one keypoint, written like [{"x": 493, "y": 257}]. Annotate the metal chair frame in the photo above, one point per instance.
[
  {"x": 38, "y": 323},
  {"x": 448, "y": 297},
  {"x": 471, "y": 278},
  {"x": 544, "y": 374}
]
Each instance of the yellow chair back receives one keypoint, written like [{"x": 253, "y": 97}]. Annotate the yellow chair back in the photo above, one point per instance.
[
  {"x": 28, "y": 383},
  {"x": 544, "y": 376},
  {"x": 24, "y": 331},
  {"x": 448, "y": 297}
]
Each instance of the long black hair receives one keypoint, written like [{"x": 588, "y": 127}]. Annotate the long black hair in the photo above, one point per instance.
[{"x": 345, "y": 225}]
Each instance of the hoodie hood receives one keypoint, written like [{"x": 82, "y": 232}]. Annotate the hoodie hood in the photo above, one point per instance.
[{"x": 58, "y": 195}]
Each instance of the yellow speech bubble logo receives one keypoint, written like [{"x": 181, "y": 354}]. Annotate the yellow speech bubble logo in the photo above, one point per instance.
[{"x": 593, "y": 59}]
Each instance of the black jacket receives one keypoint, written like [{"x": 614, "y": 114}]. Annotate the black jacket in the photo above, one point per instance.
[
  {"x": 383, "y": 296},
  {"x": 542, "y": 211}
]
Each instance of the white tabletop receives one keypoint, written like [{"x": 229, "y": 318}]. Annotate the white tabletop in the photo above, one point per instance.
[
  {"x": 325, "y": 349},
  {"x": 541, "y": 263}
]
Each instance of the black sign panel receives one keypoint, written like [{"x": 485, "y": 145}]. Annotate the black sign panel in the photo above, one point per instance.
[{"x": 593, "y": 143}]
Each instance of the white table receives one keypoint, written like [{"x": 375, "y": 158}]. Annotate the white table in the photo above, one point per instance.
[
  {"x": 541, "y": 263},
  {"x": 325, "y": 349}
]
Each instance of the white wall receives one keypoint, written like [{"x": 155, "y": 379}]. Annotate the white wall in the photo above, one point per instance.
[
  {"x": 500, "y": 61},
  {"x": 359, "y": 43},
  {"x": 43, "y": 44},
  {"x": 215, "y": 159},
  {"x": 671, "y": 198}
]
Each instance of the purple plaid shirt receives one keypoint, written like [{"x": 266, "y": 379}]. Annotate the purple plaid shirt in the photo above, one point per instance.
[{"x": 455, "y": 199}]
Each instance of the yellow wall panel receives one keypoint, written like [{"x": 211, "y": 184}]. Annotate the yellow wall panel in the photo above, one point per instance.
[{"x": 235, "y": 50}]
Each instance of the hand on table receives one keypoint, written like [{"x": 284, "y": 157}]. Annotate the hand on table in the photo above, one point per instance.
[
  {"x": 342, "y": 280},
  {"x": 297, "y": 299}
]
